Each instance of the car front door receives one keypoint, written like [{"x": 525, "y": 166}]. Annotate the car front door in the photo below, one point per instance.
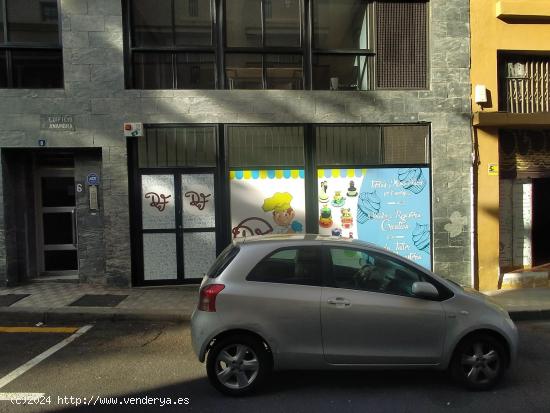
[{"x": 370, "y": 316}]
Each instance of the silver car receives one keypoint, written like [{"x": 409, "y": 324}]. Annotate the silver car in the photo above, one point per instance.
[{"x": 311, "y": 302}]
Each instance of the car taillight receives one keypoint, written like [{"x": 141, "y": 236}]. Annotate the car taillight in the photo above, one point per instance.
[{"x": 207, "y": 299}]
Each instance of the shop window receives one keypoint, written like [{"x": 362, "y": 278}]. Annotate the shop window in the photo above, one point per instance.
[
  {"x": 30, "y": 49},
  {"x": 265, "y": 146},
  {"x": 374, "y": 184},
  {"x": 171, "y": 45},
  {"x": 402, "y": 45},
  {"x": 267, "y": 180},
  {"x": 177, "y": 146},
  {"x": 302, "y": 266}
]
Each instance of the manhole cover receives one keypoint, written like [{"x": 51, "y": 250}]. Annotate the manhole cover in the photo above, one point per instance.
[
  {"x": 9, "y": 299},
  {"x": 99, "y": 300}
]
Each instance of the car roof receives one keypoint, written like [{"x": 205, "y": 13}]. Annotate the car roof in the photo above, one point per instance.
[{"x": 297, "y": 239}]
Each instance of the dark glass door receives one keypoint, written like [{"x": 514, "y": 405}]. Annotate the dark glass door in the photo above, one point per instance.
[{"x": 57, "y": 223}]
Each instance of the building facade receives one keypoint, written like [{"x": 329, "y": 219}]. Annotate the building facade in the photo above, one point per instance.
[
  {"x": 347, "y": 118},
  {"x": 510, "y": 59}
]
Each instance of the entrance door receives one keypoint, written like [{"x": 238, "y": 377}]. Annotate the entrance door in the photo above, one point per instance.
[
  {"x": 178, "y": 226},
  {"x": 57, "y": 223},
  {"x": 541, "y": 221}
]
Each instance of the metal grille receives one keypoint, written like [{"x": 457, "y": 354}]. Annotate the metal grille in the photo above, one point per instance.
[
  {"x": 177, "y": 146},
  {"x": 401, "y": 35},
  {"x": 348, "y": 145},
  {"x": 524, "y": 153},
  {"x": 406, "y": 144},
  {"x": 526, "y": 84},
  {"x": 372, "y": 145},
  {"x": 193, "y": 8},
  {"x": 265, "y": 146}
]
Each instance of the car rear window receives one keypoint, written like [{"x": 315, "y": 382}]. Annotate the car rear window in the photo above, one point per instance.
[
  {"x": 302, "y": 265},
  {"x": 223, "y": 261}
]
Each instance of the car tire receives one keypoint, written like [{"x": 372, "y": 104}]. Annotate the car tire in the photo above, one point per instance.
[
  {"x": 238, "y": 365},
  {"x": 479, "y": 362}
]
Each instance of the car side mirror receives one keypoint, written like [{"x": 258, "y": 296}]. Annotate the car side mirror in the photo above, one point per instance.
[{"x": 424, "y": 290}]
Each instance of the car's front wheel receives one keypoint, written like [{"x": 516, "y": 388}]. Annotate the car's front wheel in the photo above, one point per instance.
[
  {"x": 237, "y": 365},
  {"x": 479, "y": 362}
]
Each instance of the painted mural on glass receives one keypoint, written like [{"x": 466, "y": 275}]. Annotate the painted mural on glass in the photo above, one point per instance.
[
  {"x": 389, "y": 207},
  {"x": 267, "y": 201}
]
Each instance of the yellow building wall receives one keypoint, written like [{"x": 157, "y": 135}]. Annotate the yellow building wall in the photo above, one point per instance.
[{"x": 526, "y": 26}]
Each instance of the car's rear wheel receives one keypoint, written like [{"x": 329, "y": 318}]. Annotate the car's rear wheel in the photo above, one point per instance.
[
  {"x": 479, "y": 362},
  {"x": 237, "y": 365}
]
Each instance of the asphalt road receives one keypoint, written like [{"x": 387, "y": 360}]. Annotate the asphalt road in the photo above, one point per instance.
[{"x": 146, "y": 361}]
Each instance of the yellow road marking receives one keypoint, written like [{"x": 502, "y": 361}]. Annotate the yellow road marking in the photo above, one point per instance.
[{"x": 61, "y": 330}]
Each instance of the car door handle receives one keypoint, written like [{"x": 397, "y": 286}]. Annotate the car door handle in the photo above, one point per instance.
[{"x": 339, "y": 302}]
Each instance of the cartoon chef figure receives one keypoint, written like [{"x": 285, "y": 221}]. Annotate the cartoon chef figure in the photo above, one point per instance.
[{"x": 283, "y": 214}]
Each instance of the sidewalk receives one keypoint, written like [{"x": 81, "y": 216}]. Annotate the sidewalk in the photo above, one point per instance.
[
  {"x": 50, "y": 302},
  {"x": 525, "y": 303}
]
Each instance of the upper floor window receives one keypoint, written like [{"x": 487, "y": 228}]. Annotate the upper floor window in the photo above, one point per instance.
[
  {"x": 523, "y": 82},
  {"x": 276, "y": 44},
  {"x": 171, "y": 44},
  {"x": 30, "y": 46}
]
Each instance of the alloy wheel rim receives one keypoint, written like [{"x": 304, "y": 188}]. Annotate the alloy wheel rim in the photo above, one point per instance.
[
  {"x": 480, "y": 363},
  {"x": 237, "y": 366}
]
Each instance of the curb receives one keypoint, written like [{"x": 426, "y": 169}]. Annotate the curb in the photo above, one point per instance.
[
  {"x": 526, "y": 315},
  {"x": 63, "y": 315}
]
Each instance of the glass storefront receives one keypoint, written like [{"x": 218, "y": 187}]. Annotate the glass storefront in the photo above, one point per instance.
[{"x": 368, "y": 182}]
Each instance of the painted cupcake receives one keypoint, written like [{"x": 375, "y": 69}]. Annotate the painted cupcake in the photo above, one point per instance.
[
  {"x": 352, "y": 190},
  {"x": 325, "y": 219},
  {"x": 368, "y": 206},
  {"x": 412, "y": 179},
  {"x": 421, "y": 237}
]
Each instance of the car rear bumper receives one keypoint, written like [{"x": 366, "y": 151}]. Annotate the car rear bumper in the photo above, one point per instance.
[{"x": 204, "y": 324}]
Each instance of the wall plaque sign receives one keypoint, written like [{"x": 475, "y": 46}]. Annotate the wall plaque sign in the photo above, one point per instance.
[{"x": 57, "y": 122}]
